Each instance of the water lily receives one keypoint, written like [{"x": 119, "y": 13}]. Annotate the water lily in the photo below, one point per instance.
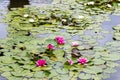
[
  {"x": 118, "y": 4},
  {"x": 91, "y": 3},
  {"x": 26, "y": 15},
  {"x": 108, "y": 5},
  {"x": 82, "y": 60},
  {"x": 60, "y": 40},
  {"x": 64, "y": 20},
  {"x": 31, "y": 20},
  {"x": 41, "y": 63},
  {"x": 50, "y": 47},
  {"x": 70, "y": 62},
  {"x": 75, "y": 44},
  {"x": 80, "y": 17}
]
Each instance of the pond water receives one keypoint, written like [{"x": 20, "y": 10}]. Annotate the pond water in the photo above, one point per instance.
[
  {"x": 3, "y": 11},
  {"x": 105, "y": 26},
  {"x": 115, "y": 20}
]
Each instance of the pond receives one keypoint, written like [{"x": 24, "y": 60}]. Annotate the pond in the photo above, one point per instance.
[{"x": 106, "y": 26}]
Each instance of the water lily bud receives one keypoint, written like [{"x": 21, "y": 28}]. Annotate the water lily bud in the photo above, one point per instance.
[
  {"x": 74, "y": 44},
  {"x": 50, "y": 47},
  {"x": 26, "y": 15},
  {"x": 31, "y": 20},
  {"x": 70, "y": 62},
  {"x": 41, "y": 63},
  {"x": 82, "y": 60},
  {"x": 108, "y": 5}
]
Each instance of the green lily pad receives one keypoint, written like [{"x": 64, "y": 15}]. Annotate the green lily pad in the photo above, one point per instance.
[
  {"x": 84, "y": 76},
  {"x": 59, "y": 55}
]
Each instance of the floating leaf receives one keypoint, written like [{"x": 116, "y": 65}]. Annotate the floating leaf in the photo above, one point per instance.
[
  {"x": 61, "y": 71},
  {"x": 6, "y": 74},
  {"x": 59, "y": 55},
  {"x": 93, "y": 69},
  {"x": 84, "y": 76},
  {"x": 112, "y": 57},
  {"x": 39, "y": 74},
  {"x": 29, "y": 66},
  {"x": 98, "y": 61},
  {"x": 109, "y": 70},
  {"x": 7, "y": 60}
]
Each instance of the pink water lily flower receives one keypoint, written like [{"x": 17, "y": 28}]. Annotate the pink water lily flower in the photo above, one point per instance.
[
  {"x": 60, "y": 40},
  {"x": 70, "y": 62},
  {"x": 75, "y": 44},
  {"x": 82, "y": 60},
  {"x": 41, "y": 63},
  {"x": 50, "y": 47}
]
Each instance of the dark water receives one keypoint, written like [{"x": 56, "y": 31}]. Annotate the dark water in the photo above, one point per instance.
[
  {"x": 17, "y": 3},
  {"x": 20, "y": 3}
]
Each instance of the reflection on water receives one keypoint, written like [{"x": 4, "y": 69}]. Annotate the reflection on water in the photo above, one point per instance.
[
  {"x": 107, "y": 25},
  {"x": 77, "y": 37},
  {"x": 1, "y": 78},
  {"x": 43, "y": 35},
  {"x": 3, "y": 11},
  {"x": 17, "y": 3},
  {"x": 3, "y": 31},
  {"x": 107, "y": 38},
  {"x": 114, "y": 21},
  {"x": 115, "y": 76},
  {"x": 38, "y": 2}
]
